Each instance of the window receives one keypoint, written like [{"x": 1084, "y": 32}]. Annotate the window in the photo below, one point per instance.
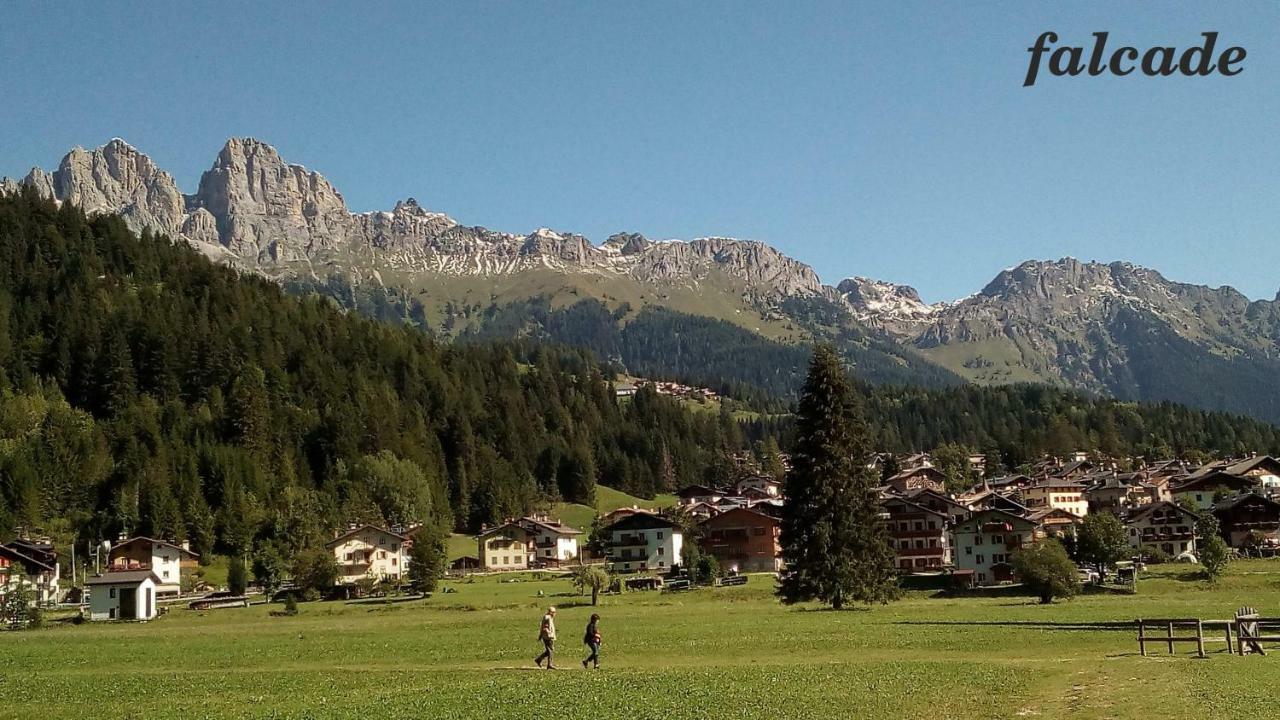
[
  {"x": 506, "y": 559},
  {"x": 933, "y": 542},
  {"x": 394, "y": 561},
  {"x": 968, "y": 550},
  {"x": 933, "y": 525},
  {"x": 982, "y": 577},
  {"x": 112, "y": 612},
  {"x": 980, "y": 559},
  {"x": 382, "y": 554},
  {"x": 113, "y": 593},
  {"x": 493, "y": 560},
  {"x": 997, "y": 539},
  {"x": 919, "y": 544},
  {"x": 661, "y": 564},
  {"x": 546, "y": 553},
  {"x": 977, "y": 540},
  {"x": 757, "y": 531},
  {"x": 350, "y": 555},
  {"x": 919, "y": 526},
  {"x": 662, "y": 551},
  {"x": 659, "y": 534},
  {"x": 166, "y": 574}
]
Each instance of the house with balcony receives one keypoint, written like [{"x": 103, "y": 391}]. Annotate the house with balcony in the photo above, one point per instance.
[
  {"x": 1164, "y": 526},
  {"x": 643, "y": 542},
  {"x": 924, "y": 477},
  {"x": 34, "y": 564},
  {"x": 984, "y": 543},
  {"x": 1249, "y": 519},
  {"x": 918, "y": 534},
  {"x": 368, "y": 551},
  {"x": 743, "y": 540},
  {"x": 694, "y": 494},
  {"x": 165, "y": 559},
  {"x": 553, "y": 542}
]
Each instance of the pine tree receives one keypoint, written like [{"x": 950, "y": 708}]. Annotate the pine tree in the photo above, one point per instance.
[{"x": 834, "y": 545}]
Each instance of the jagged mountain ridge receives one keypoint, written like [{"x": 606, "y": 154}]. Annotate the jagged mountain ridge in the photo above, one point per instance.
[{"x": 1085, "y": 325}]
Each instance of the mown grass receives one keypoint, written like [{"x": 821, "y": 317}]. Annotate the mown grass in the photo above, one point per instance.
[{"x": 728, "y": 652}]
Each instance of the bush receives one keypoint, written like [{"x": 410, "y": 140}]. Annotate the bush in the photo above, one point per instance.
[
  {"x": 1156, "y": 556},
  {"x": 290, "y": 605},
  {"x": 1045, "y": 568},
  {"x": 1214, "y": 556}
]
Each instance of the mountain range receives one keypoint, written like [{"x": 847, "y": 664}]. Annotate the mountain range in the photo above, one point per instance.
[{"x": 710, "y": 309}]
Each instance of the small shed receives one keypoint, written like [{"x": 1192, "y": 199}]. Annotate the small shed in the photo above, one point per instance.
[{"x": 124, "y": 595}]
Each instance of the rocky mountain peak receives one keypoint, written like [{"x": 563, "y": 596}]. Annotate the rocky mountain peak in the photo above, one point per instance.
[
  {"x": 627, "y": 243},
  {"x": 885, "y": 301}
]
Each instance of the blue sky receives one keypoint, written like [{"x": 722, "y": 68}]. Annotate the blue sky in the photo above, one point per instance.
[{"x": 893, "y": 140}]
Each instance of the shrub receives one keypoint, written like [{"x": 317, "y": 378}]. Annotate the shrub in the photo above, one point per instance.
[
  {"x": 1156, "y": 556},
  {"x": 290, "y": 605},
  {"x": 1214, "y": 556},
  {"x": 1046, "y": 570}
]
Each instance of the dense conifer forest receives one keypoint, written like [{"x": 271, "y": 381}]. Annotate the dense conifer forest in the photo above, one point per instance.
[{"x": 145, "y": 389}]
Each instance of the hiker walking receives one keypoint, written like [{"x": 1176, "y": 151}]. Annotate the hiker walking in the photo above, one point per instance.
[
  {"x": 591, "y": 638},
  {"x": 547, "y": 634}
]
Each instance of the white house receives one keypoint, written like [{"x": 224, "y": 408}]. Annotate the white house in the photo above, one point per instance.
[
  {"x": 165, "y": 559},
  {"x": 123, "y": 595},
  {"x": 368, "y": 552},
  {"x": 553, "y": 542},
  {"x": 984, "y": 543},
  {"x": 643, "y": 541},
  {"x": 1057, "y": 494}
]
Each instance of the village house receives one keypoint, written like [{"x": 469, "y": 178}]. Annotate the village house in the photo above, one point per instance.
[
  {"x": 552, "y": 542},
  {"x": 743, "y": 540},
  {"x": 643, "y": 541},
  {"x": 1248, "y": 517},
  {"x": 504, "y": 547},
  {"x": 123, "y": 595},
  {"x": 992, "y": 500},
  {"x": 1056, "y": 493},
  {"x": 923, "y": 477},
  {"x": 164, "y": 559},
  {"x": 938, "y": 502},
  {"x": 1055, "y": 522},
  {"x": 694, "y": 494},
  {"x": 760, "y": 487},
  {"x": 368, "y": 551},
  {"x": 1203, "y": 490},
  {"x": 917, "y": 534},
  {"x": 983, "y": 545},
  {"x": 1263, "y": 470},
  {"x": 1163, "y": 526},
  {"x": 33, "y": 563}
]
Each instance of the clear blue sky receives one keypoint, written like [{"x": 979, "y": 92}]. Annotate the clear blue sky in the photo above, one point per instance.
[{"x": 893, "y": 140}]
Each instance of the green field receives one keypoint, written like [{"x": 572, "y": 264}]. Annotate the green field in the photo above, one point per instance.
[{"x": 728, "y": 652}]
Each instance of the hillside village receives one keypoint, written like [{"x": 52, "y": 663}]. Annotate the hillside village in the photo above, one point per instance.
[{"x": 952, "y": 539}]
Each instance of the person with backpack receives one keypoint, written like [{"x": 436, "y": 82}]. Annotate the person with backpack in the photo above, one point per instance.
[
  {"x": 547, "y": 634},
  {"x": 591, "y": 638}
]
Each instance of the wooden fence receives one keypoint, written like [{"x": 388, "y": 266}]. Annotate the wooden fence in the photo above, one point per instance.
[{"x": 1244, "y": 634}]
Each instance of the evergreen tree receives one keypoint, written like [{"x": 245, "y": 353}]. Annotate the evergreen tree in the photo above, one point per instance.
[{"x": 835, "y": 547}]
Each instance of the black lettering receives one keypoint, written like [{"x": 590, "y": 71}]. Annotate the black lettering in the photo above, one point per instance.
[
  {"x": 1204, "y": 53},
  {"x": 1072, "y": 55},
  {"x": 1131, "y": 53},
  {"x": 1167, "y": 64},
  {"x": 1096, "y": 67},
  {"x": 1231, "y": 56},
  {"x": 1042, "y": 42}
]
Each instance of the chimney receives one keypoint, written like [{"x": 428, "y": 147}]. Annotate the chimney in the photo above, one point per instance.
[{"x": 186, "y": 545}]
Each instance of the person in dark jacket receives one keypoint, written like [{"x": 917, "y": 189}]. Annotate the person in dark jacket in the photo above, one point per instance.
[{"x": 591, "y": 638}]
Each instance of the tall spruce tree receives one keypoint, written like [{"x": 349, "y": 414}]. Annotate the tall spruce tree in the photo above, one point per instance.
[{"x": 834, "y": 544}]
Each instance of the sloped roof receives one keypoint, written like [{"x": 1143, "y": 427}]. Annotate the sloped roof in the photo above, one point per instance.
[
  {"x": 362, "y": 528},
  {"x": 641, "y": 521},
  {"x": 153, "y": 541},
  {"x": 126, "y": 577}
]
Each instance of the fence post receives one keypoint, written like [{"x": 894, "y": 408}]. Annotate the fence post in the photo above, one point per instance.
[
  {"x": 1170, "y": 629},
  {"x": 1200, "y": 637},
  {"x": 1142, "y": 641}
]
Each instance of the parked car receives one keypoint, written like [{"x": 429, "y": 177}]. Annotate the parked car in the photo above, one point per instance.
[{"x": 1088, "y": 575}]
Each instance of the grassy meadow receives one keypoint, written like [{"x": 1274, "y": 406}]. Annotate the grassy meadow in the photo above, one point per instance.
[{"x": 725, "y": 652}]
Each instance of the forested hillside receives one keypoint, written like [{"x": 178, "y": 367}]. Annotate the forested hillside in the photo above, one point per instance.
[{"x": 147, "y": 390}]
